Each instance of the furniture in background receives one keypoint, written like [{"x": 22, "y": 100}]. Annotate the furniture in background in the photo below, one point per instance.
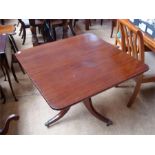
[
  {"x": 77, "y": 71},
  {"x": 88, "y": 23},
  {"x": 7, "y": 45},
  {"x": 149, "y": 41},
  {"x": 7, "y": 29},
  {"x": 65, "y": 23},
  {"x": 6, "y": 61},
  {"x": 49, "y": 29},
  {"x": 26, "y": 24},
  {"x": 4, "y": 40},
  {"x": 10, "y": 30},
  {"x": 2, "y": 21},
  {"x": 132, "y": 43}
]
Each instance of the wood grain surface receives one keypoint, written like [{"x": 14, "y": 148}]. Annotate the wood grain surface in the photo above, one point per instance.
[{"x": 71, "y": 70}]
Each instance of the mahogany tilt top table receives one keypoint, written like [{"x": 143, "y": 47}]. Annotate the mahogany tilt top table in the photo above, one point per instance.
[{"x": 75, "y": 69}]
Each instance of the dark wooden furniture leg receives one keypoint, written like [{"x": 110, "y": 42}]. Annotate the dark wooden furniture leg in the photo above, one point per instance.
[
  {"x": 74, "y": 22},
  {"x": 87, "y": 23},
  {"x": 54, "y": 34},
  {"x": 4, "y": 130},
  {"x": 113, "y": 24},
  {"x": 20, "y": 31},
  {"x": 101, "y": 21},
  {"x": 2, "y": 95},
  {"x": 15, "y": 49},
  {"x": 13, "y": 44},
  {"x": 89, "y": 106},
  {"x": 8, "y": 76},
  {"x": 33, "y": 31},
  {"x": 24, "y": 36},
  {"x": 57, "y": 117},
  {"x": 2, "y": 21},
  {"x": 3, "y": 72},
  {"x": 71, "y": 26},
  {"x": 13, "y": 72},
  {"x": 65, "y": 28}
]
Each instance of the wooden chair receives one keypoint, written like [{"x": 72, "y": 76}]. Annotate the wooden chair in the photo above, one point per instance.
[
  {"x": 65, "y": 23},
  {"x": 7, "y": 58},
  {"x": 133, "y": 44},
  {"x": 10, "y": 118},
  {"x": 87, "y": 23},
  {"x": 25, "y": 24}
]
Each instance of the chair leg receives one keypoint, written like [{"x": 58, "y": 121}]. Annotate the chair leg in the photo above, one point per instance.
[
  {"x": 9, "y": 80},
  {"x": 13, "y": 44},
  {"x": 54, "y": 34},
  {"x": 43, "y": 34},
  {"x": 2, "y": 95},
  {"x": 71, "y": 27},
  {"x": 136, "y": 91},
  {"x": 101, "y": 21},
  {"x": 87, "y": 23},
  {"x": 112, "y": 29},
  {"x": 113, "y": 24},
  {"x": 3, "y": 73},
  {"x": 39, "y": 30},
  {"x": 18, "y": 24},
  {"x": 90, "y": 22},
  {"x": 14, "y": 60},
  {"x": 75, "y": 20},
  {"x": 24, "y": 36},
  {"x": 20, "y": 31},
  {"x": 13, "y": 72}
]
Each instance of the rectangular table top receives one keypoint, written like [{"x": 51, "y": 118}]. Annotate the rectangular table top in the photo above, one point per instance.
[{"x": 71, "y": 70}]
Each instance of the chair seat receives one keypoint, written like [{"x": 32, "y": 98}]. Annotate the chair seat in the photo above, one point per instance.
[
  {"x": 7, "y": 29},
  {"x": 37, "y": 22},
  {"x": 150, "y": 61}
]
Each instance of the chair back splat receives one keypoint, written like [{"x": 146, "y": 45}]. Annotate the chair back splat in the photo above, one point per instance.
[{"x": 131, "y": 40}]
